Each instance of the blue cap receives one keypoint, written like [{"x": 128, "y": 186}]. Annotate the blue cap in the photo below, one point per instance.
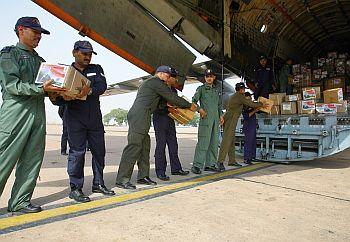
[
  {"x": 84, "y": 46},
  {"x": 240, "y": 85},
  {"x": 174, "y": 72},
  {"x": 31, "y": 22},
  {"x": 165, "y": 69},
  {"x": 209, "y": 72}
]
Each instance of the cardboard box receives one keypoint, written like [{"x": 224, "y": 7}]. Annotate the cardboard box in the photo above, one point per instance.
[
  {"x": 332, "y": 55},
  {"x": 293, "y": 98},
  {"x": 266, "y": 101},
  {"x": 306, "y": 107},
  {"x": 296, "y": 69},
  {"x": 343, "y": 55},
  {"x": 288, "y": 108},
  {"x": 277, "y": 98},
  {"x": 326, "y": 108},
  {"x": 337, "y": 82},
  {"x": 62, "y": 76},
  {"x": 321, "y": 62},
  {"x": 275, "y": 110},
  {"x": 181, "y": 115},
  {"x": 317, "y": 90},
  {"x": 309, "y": 94},
  {"x": 342, "y": 107},
  {"x": 333, "y": 95}
]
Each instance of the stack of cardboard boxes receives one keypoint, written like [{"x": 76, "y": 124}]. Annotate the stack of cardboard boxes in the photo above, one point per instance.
[
  {"x": 328, "y": 72},
  {"x": 309, "y": 102},
  {"x": 327, "y": 76}
]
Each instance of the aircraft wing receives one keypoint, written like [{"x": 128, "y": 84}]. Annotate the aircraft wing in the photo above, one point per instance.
[
  {"x": 195, "y": 75},
  {"x": 125, "y": 28}
]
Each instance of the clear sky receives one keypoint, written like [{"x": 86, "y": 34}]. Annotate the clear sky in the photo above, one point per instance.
[{"x": 57, "y": 48}]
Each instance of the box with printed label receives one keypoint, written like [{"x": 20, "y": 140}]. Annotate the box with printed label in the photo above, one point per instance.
[
  {"x": 332, "y": 55},
  {"x": 317, "y": 91},
  {"x": 63, "y": 76},
  {"x": 336, "y": 82},
  {"x": 265, "y": 101},
  {"x": 342, "y": 107},
  {"x": 277, "y": 98},
  {"x": 326, "y": 108},
  {"x": 309, "y": 94},
  {"x": 306, "y": 107},
  {"x": 333, "y": 95},
  {"x": 293, "y": 98},
  {"x": 289, "y": 108}
]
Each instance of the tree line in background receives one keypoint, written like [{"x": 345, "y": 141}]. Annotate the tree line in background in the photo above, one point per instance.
[{"x": 118, "y": 117}]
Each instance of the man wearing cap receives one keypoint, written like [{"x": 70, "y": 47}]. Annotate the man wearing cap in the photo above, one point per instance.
[
  {"x": 84, "y": 124},
  {"x": 233, "y": 112},
  {"x": 206, "y": 153},
  {"x": 264, "y": 82},
  {"x": 165, "y": 131},
  {"x": 139, "y": 119},
  {"x": 22, "y": 114}
]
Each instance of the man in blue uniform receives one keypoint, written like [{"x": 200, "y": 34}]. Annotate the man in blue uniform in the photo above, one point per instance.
[
  {"x": 84, "y": 124},
  {"x": 64, "y": 137},
  {"x": 264, "y": 83},
  {"x": 139, "y": 119},
  {"x": 249, "y": 130},
  {"x": 165, "y": 131}
]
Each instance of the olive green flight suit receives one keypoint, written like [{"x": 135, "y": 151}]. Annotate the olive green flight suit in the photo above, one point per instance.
[
  {"x": 22, "y": 123},
  {"x": 139, "y": 120},
  {"x": 233, "y": 111},
  {"x": 208, "y": 131}
]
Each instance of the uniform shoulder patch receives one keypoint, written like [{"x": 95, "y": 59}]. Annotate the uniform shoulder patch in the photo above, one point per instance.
[{"x": 6, "y": 49}]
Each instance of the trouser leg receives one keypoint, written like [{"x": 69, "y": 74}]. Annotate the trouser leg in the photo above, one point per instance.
[
  {"x": 96, "y": 140},
  {"x": 143, "y": 162},
  {"x": 64, "y": 137},
  {"x": 232, "y": 151},
  {"x": 159, "y": 154},
  {"x": 173, "y": 149},
  {"x": 249, "y": 143},
  {"x": 212, "y": 153},
  {"x": 28, "y": 167},
  {"x": 11, "y": 146},
  {"x": 131, "y": 153},
  {"x": 227, "y": 137},
  {"x": 200, "y": 154},
  {"x": 77, "y": 137}
]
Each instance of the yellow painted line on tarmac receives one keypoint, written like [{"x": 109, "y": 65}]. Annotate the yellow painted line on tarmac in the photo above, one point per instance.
[{"x": 70, "y": 209}]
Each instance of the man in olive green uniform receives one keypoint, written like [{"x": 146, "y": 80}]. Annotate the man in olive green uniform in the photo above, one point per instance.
[
  {"x": 139, "y": 120},
  {"x": 22, "y": 115},
  {"x": 233, "y": 111},
  {"x": 210, "y": 113}
]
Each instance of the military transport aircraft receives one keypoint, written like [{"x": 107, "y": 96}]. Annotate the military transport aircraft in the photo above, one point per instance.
[{"x": 232, "y": 33}]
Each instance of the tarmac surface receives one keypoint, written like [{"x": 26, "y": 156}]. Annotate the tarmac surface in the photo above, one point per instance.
[{"x": 304, "y": 201}]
